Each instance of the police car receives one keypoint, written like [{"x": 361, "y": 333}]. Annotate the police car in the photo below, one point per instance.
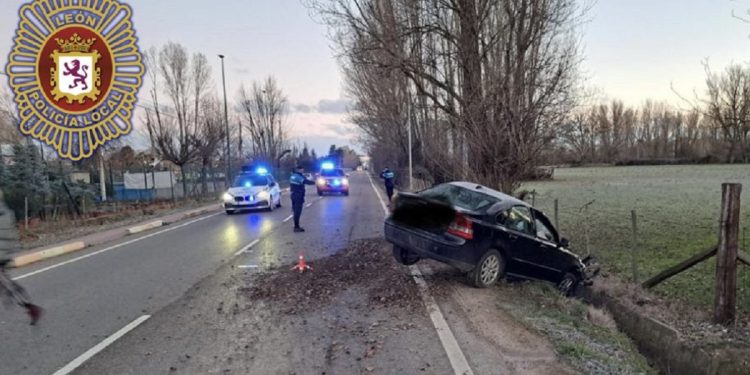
[
  {"x": 332, "y": 180},
  {"x": 254, "y": 189}
]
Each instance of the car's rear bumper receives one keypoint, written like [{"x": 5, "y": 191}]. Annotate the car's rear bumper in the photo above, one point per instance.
[
  {"x": 246, "y": 205},
  {"x": 447, "y": 249}
]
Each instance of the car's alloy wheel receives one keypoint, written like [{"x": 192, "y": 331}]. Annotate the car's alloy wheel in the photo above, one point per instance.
[
  {"x": 489, "y": 269},
  {"x": 568, "y": 284}
]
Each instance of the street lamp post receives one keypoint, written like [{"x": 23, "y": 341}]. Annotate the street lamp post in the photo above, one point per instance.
[{"x": 226, "y": 123}]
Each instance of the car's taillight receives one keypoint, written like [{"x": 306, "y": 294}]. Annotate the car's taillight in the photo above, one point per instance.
[{"x": 462, "y": 227}]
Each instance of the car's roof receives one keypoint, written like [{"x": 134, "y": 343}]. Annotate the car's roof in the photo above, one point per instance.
[{"x": 505, "y": 199}]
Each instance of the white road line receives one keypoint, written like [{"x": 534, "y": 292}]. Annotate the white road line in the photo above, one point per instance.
[
  {"x": 248, "y": 266},
  {"x": 309, "y": 204},
  {"x": 45, "y": 269},
  {"x": 100, "y": 346},
  {"x": 246, "y": 248},
  {"x": 455, "y": 356},
  {"x": 287, "y": 219}
]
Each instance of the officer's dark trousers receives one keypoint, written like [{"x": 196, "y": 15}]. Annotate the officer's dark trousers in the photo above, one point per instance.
[
  {"x": 389, "y": 192},
  {"x": 297, "y": 210}
]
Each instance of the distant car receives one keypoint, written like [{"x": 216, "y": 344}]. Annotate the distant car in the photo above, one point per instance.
[
  {"x": 485, "y": 233},
  {"x": 252, "y": 191},
  {"x": 332, "y": 180}
]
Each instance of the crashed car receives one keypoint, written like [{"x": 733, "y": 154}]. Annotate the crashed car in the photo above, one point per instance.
[{"x": 486, "y": 234}]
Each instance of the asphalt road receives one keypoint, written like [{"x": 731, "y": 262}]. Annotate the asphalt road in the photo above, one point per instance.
[{"x": 89, "y": 299}]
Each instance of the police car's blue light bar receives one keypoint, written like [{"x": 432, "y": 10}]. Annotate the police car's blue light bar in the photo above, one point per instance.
[
  {"x": 326, "y": 166},
  {"x": 248, "y": 184},
  {"x": 261, "y": 171}
]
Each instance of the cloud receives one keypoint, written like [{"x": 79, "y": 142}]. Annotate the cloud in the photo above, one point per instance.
[
  {"x": 241, "y": 71},
  {"x": 327, "y": 106},
  {"x": 301, "y": 108},
  {"x": 333, "y": 106}
]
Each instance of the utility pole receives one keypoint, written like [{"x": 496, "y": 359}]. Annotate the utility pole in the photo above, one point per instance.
[
  {"x": 226, "y": 123},
  {"x": 102, "y": 183}
]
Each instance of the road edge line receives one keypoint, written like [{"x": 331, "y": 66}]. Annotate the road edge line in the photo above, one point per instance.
[
  {"x": 81, "y": 359},
  {"x": 455, "y": 355}
]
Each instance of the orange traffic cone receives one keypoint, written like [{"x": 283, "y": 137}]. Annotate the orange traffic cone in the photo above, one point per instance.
[{"x": 302, "y": 265}]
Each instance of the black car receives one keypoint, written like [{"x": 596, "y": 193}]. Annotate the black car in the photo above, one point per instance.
[{"x": 485, "y": 233}]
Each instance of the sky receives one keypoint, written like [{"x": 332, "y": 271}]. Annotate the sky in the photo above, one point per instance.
[{"x": 632, "y": 50}]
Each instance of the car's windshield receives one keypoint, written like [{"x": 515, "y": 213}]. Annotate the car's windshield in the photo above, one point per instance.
[
  {"x": 245, "y": 180},
  {"x": 461, "y": 197},
  {"x": 332, "y": 173}
]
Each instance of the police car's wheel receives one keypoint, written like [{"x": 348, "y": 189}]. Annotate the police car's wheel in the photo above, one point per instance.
[
  {"x": 278, "y": 204},
  {"x": 489, "y": 269},
  {"x": 346, "y": 193},
  {"x": 404, "y": 256},
  {"x": 320, "y": 193},
  {"x": 230, "y": 212}
]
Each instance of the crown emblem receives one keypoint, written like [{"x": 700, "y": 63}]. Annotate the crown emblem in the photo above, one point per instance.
[{"x": 75, "y": 44}]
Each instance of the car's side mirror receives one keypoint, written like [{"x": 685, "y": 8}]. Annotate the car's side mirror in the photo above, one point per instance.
[
  {"x": 272, "y": 184},
  {"x": 564, "y": 242}
]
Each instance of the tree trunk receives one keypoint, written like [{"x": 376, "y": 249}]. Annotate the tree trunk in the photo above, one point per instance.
[
  {"x": 204, "y": 183},
  {"x": 184, "y": 182}
]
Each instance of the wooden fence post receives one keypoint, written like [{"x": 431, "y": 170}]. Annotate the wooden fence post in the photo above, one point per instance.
[
  {"x": 557, "y": 223},
  {"x": 726, "y": 255},
  {"x": 634, "y": 250}
]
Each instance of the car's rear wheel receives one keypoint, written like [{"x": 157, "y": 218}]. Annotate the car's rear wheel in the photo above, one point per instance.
[
  {"x": 404, "y": 256},
  {"x": 568, "y": 285},
  {"x": 489, "y": 269}
]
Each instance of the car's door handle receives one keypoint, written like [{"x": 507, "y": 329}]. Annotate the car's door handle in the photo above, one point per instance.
[{"x": 512, "y": 237}]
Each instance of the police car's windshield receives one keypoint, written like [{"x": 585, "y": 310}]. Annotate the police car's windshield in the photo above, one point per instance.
[
  {"x": 248, "y": 180},
  {"x": 460, "y": 197},
  {"x": 332, "y": 173}
]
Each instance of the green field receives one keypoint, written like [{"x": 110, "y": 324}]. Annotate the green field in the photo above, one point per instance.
[{"x": 678, "y": 212}]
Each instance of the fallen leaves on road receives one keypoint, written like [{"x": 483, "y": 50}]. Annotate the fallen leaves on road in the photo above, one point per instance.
[{"x": 367, "y": 264}]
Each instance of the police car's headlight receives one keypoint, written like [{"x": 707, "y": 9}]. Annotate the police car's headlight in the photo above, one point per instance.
[
  {"x": 227, "y": 197},
  {"x": 345, "y": 181},
  {"x": 321, "y": 181},
  {"x": 263, "y": 195}
]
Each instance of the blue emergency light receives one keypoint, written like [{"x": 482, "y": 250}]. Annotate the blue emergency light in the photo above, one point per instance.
[
  {"x": 336, "y": 182},
  {"x": 248, "y": 184},
  {"x": 326, "y": 166},
  {"x": 261, "y": 171}
]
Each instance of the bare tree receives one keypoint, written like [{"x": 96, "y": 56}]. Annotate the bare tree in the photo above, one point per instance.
[
  {"x": 211, "y": 134},
  {"x": 265, "y": 109},
  {"x": 173, "y": 133},
  {"x": 485, "y": 82}
]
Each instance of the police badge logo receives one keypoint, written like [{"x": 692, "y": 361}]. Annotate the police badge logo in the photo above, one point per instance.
[{"x": 75, "y": 71}]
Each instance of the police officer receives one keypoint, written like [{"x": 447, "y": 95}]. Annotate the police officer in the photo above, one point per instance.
[
  {"x": 297, "y": 184},
  {"x": 9, "y": 242},
  {"x": 388, "y": 177}
]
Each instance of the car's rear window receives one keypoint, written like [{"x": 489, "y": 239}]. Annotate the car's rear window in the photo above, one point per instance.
[
  {"x": 332, "y": 173},
  {"x": 461, "y": 197}
]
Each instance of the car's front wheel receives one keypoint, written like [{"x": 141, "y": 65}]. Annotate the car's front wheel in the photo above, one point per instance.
[
  {"x": 404, "y": 256},
  {"x": 489, "y": 269},
  {"x": 568, "y": 285}
]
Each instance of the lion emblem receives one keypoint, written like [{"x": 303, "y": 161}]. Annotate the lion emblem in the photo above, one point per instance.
[{"x": 80, "y": 72}]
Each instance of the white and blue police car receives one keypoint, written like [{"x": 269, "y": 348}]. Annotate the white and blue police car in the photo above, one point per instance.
[{"x": 254, "y": 189}]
